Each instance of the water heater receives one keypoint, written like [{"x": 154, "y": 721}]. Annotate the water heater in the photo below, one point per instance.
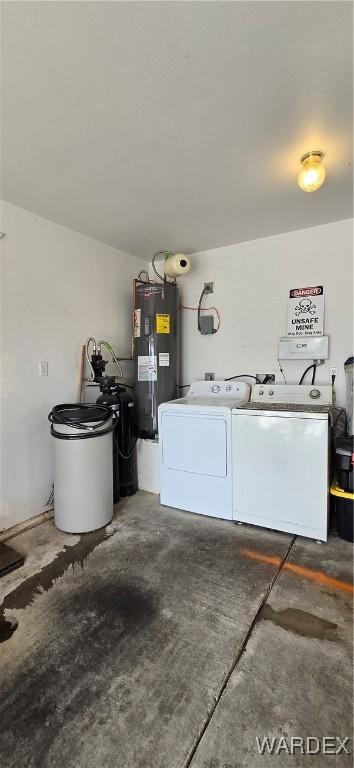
[{"x": 155, "y": 318}]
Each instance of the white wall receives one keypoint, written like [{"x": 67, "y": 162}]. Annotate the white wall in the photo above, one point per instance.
[
  {"x": 148, "y": 465},
  {"x": 252, "y": 282},
  {"x": 58, "y": 287}
]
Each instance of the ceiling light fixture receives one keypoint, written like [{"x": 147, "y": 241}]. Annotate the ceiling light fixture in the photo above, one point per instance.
[{"x": 312, "y": 174}]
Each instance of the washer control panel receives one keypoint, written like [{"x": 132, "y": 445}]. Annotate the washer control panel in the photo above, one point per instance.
[{"x": 292, "y": 393}]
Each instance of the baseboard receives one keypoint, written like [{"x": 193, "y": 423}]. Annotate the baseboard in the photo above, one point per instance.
[{"x": 32, "y": 522}]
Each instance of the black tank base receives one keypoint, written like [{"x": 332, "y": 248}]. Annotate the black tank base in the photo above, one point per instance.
[
  {"x": 128, "y": 491},
  {"x": 148, "y": 435}
]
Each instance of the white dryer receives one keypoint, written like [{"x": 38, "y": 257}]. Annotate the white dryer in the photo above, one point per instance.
[
  {"x": 281, "y": 458},
  {"x": 195, "y": 448}
]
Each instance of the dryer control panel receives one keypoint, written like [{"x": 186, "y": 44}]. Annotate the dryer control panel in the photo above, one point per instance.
[{"x": 235, "y": 390}]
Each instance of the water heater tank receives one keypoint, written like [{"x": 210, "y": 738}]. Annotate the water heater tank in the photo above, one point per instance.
[{"x": 155, "y": 351}]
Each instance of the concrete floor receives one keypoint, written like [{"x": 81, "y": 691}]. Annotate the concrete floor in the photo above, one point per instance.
[{"x": 170, "y": 640}]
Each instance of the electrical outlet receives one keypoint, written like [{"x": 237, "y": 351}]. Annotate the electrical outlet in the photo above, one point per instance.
[
  {"x": 333, "y": 372},
  {"x": 209, "y": 376},
  {"x": 266, "y": 378},
  {"x": 43, "y": 369},
  {"x": 208, "y": 287}
]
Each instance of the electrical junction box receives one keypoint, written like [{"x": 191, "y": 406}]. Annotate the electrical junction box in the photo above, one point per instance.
[
  {"x": 303, "y": 348},
  {"x": 206, "y": 324}
]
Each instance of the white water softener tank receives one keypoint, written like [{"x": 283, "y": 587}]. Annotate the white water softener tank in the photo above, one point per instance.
[{"x": 83, "y": 470}]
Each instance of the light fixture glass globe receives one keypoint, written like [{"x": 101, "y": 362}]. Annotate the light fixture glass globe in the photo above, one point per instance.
[{"x": 312, "y": 174}]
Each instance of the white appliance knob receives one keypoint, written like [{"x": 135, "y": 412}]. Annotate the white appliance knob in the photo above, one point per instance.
[
  {"x": 271, "y": 391},
  {"x": 215, "y": 388},
  {"x": 315, "y": 394},
  {"x": 261, "y": 391},
  {"x": 229, "y": 388}
]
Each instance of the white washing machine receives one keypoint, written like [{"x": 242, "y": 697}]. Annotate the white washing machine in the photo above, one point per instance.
[
  {"x": 195, "y": 448},
  {"x": 281, "y": 459}
]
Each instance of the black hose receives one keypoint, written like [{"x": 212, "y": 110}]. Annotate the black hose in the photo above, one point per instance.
[
  {"x": 156, "y": 254},
  {"x": 314, "y": 366},
  {"x": 129, "y": 455},
  {"x": 131, "y": 449},
  {"x": 244, "y": 376},
  {"x": 56, "y": 416},
  {"x": 204, "y": 291}
]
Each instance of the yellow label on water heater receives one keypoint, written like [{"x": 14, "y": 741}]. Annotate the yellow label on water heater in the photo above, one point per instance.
[{"x": 163, "y": 323}]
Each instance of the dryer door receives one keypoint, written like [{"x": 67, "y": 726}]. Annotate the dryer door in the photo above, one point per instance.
[{"x": 195, "y": 443}]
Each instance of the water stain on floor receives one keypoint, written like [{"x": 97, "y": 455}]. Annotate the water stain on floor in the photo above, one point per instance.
[
  {"x": 83, "y": 669},
  {"x": 297, "y": 621},
  {"x": 24, "y": 594}
]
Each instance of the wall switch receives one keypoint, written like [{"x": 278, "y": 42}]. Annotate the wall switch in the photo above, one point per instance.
[
  {"x": 209, "y": 376},
  {"x": 333, "y": 372},
  {"x": 208, "y": 287},
  {"x": 43, "y": 369}
]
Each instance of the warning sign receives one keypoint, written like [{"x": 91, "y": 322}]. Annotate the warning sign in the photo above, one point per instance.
[
  {"x": 306, "y": 311},
  {"x": 147, "y": 368},
  {"x": 164, "y": 359},
  {"x": 137, "y": 323},
  {"x": 163, "y": 324}
]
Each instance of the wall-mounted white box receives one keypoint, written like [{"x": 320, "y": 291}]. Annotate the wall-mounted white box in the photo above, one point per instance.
[{"x": 303, "y": 348}]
